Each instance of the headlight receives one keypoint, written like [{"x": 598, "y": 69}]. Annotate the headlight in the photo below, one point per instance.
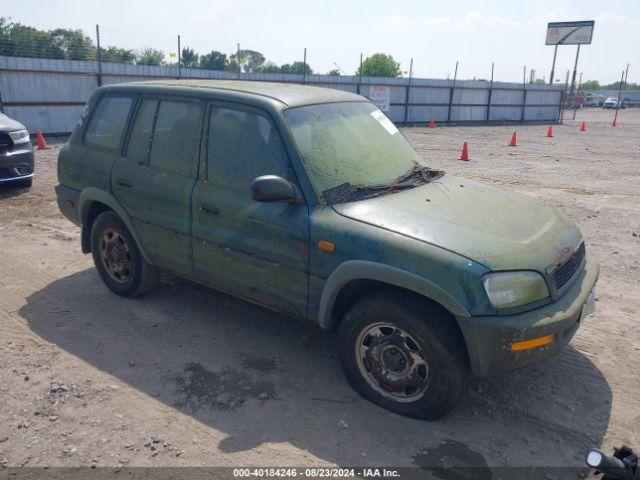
[
  {"x": 511, "y": 289},
  {"x": 19, "y": 136}
]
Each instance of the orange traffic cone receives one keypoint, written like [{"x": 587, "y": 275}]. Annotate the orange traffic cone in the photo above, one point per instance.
[
  {"x": 550, "y": 131},
  {"x": 583, "y": 127},
  {"x": 432, "y": 123},
  {"x": 465, "y": 153},
  {"x": 513, "y": 142},
  {"x": 613, "y": 124},
  {"x": 42, "y": 145}
]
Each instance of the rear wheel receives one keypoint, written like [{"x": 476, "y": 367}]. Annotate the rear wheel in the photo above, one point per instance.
[
  {"x": 404, "y": 355},
  {"x": 118, "y": 259}
]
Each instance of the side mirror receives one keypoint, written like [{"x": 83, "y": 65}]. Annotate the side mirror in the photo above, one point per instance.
[{"x": 271, "y": 188}]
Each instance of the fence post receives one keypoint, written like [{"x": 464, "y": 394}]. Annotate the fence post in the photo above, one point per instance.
[
  {"x": 524, "y": 93},
  {"x": 98, "y": 56},
  {"x": 359, "y": 75},
  {"x": 304, "y": 67},
  {"x": 238, "y": 61},
  {"x": 406, "y": 96},
  {"x": 179, "y": 59},
  {"x": 622, "y": 79},
  {"x": 453, "y": 87},
  {"x": 489, "y": 95}
]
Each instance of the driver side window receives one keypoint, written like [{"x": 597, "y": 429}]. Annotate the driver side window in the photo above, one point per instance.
[{"x": 243, "y": 145}]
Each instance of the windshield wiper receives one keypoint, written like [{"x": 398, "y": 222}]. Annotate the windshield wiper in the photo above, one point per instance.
[{"x": 416, "y": 176}]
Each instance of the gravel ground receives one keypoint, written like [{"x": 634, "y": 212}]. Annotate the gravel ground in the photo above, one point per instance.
[{"x": 186, "y": 376}]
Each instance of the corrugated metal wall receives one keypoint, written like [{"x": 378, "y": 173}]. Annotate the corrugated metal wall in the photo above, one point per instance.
[{"x": 49, "y": 94}]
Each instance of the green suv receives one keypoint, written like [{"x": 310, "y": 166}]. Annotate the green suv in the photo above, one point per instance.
[{"x": 310, "y": 202}]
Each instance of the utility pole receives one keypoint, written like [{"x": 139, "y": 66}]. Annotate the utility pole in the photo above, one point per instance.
[
  {"x": 360, "y": 74},
  {"x": 238, "y": 60},
  {"x": 304, "y": 67},
  {"x": 622, "y": 79},
  {"x": 490, "y": 94},
  {"x": 179, "y": 58},
  {"x": 98, "y": 56},
  {"x": 453, "y": 87},
  {"x": 577, "y": 95},
  {"x": 626, "y": 74},
  {"x": 575, "y": 69},
  {"x": 406, "y": 97},
  {"x": 553, "y": 65}
]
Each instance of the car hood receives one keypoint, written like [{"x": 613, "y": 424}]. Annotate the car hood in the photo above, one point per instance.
[
  {"x": 9, "y": 124},
  {"x": 499, "y": 229}
]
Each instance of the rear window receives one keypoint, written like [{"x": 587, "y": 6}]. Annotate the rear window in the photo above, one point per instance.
[
  {"x": 140, "y": 140},
  {"x": 108, "y": 121},
  {"x": 176, "y": 137}
]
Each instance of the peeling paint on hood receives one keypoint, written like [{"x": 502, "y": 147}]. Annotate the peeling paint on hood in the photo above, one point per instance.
[{"x": 499, "y": 229}]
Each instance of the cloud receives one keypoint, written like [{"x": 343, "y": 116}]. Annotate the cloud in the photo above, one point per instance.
[
  {"x": 472, "y": 20},
  {"x": 396, "y": 22}
]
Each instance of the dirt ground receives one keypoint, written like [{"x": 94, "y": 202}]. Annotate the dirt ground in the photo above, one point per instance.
[{"x": 186, "y": 376}]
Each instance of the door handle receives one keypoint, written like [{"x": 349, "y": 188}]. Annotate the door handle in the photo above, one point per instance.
[
  {"x": 208, "y": 209},
  {"x": 124, "y": 183}
]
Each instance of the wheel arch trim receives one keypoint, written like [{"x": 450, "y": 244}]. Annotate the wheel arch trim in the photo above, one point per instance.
[
  {"x": 352, "y": 270},
  {"x": 92, "y": 195}
]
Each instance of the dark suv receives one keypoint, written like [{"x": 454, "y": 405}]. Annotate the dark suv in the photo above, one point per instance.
[
  {"x": 17, "y": 162},
  {"x": 309, "y": 201}
]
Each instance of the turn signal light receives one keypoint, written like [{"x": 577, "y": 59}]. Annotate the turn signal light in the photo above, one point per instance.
[
  {"x": 523, "y": 345},
  {"x": 326, "y": 246}
]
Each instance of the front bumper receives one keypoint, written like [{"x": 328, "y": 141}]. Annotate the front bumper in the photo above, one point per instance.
[
  {"x": 17, "y": 164},
  {"x": 489, "y": 339}
]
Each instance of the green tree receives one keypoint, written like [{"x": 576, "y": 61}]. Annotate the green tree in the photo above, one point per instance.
[
  {"x": 117, "y": 55},
  {"x": 297, "y": 68},
  {"x": 335, "y": 72},
  {"x": 250, "y": 61},
  {"x": 74, "y": 43},
  {"x": 18, "y": 40},
  {"x": 616, "y": 86},
  {"x": 189, "y": 58},
  {"x": 590, "y": 85},
  {"x": 150, "y": 56},
  {"x": 270, "y": 67},
  {"x": 214, "y": 60},
  {"x": 380, "y": 65}
]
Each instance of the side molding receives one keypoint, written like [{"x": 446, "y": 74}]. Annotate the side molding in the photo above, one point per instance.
[
  {"x": 91, "y": 194},
  {"x": 364, "y": 270}
]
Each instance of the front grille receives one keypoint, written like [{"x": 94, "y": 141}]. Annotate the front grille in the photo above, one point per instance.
[
  {"x": 564, "y": 272},
  {"x": 6, "y": 143}
]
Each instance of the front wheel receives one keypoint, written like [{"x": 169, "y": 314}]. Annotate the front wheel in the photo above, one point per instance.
[
  {"x": 404, "y": 355},
  {"x": 118, "y": 259}
]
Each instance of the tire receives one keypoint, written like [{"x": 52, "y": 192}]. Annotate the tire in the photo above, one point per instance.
[
  {"x": 428, "y": 329},
  {"x": 118, "y": 259}
]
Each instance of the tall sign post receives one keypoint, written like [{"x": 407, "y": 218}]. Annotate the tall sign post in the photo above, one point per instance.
[{"x": 569, "y": 33}]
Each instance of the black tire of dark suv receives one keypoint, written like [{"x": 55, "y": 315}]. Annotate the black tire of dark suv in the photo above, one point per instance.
[
  {"x": 403, "y": 354},
  {"x": 118, "y": 259}
]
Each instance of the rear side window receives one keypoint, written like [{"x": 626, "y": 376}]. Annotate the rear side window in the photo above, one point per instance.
[
  {"x": 140, "y": 140},
  {"x": 176, "y": 137},
  {"x": 107, "y": 123},
  {"x": 243, "y": 145}
]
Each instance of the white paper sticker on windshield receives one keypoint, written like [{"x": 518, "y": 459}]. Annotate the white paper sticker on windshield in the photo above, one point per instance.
[{"x": 384, "y": 121}]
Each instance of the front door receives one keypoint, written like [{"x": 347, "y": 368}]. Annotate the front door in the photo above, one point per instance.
[
  {"x": 255, "y": 250},
  {"x": 155, "y": 179}
]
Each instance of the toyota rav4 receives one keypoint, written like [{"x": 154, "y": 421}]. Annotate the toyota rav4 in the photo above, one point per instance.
[{"x": 310, "y": 202}]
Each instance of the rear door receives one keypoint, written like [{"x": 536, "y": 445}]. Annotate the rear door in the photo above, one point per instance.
[
  {"x": 155, "y": 179},
  {"x": 255, "y": 250}
]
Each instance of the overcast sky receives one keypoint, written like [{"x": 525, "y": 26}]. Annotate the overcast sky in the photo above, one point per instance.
[{"x": 434, "y": 33}]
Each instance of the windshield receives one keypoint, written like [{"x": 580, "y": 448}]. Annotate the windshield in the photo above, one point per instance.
[{"x": 350, "y": 144}]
